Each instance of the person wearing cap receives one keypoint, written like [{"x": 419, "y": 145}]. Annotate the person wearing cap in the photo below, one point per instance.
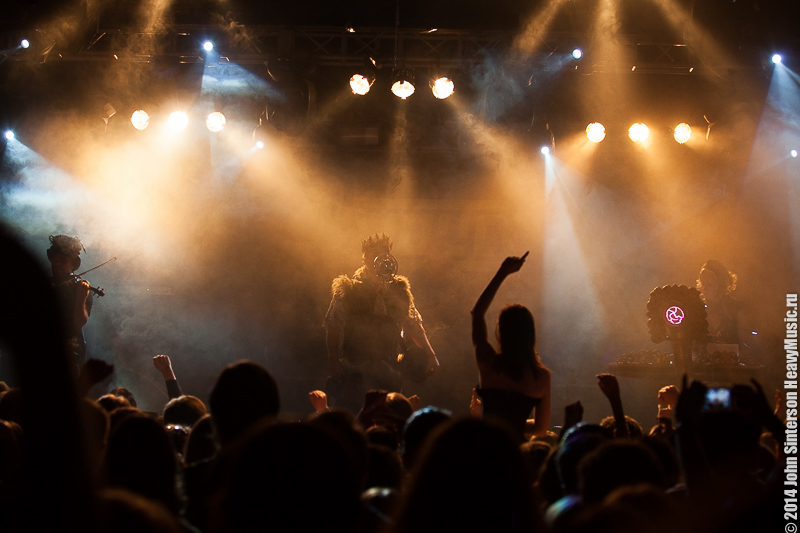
[
  {"x": 72, "y": 292},
  {"x": 370, "y": 326}
]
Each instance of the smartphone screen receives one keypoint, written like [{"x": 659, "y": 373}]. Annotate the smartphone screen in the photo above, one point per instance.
[{"x": 718, "y": 399}]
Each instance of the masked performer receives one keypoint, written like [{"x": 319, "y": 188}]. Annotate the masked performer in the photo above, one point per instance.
[
  {"x": 72, "y": 293},
  {"x": 368, "y": 325}
]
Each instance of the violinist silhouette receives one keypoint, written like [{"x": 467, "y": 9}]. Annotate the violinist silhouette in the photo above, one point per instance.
[{"x": 73, "y": 293}]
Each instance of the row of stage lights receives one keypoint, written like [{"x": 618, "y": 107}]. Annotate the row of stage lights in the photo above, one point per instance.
[
  {"x": 403, "y": 85},
  {"x": 179, "y": 121},
  {"x": 638, "y": 132},
  {"x": 403, "y": 82},
  {"x": 595, "y": 132}
]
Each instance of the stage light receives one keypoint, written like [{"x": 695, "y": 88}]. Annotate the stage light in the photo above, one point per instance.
[
  {"x": 638, "y": 132},
  {"x": 215, "y": 122},
  {"x": 545, "y": 150},
  {"x": 208, "y": 46},
  {"x": 178, "y": 121},
  {"x": 24, "y": 43},
  {"x": 442, "y": 87},
  {"x": 682, "y": 133},
  {"x": 9, "y": 135},
  {"x": 577, "y": 53},
  {"x": 260, "y": 145},
  {"x": 140, "y": 120},
  {"x": 792, "y": 153},
  {"x": 776, "y": 58},
  {"x": 595, "y": 132},
  {"x": 402, "y": 84},
  {"x": 361, "y": 84}
]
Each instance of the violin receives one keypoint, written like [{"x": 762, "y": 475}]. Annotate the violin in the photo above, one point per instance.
[
  {"x": 99, "y": 291},
  {"x": 76, "y": 278}
]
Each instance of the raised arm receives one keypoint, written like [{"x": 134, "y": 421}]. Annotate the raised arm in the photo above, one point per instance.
[
  {"x": 610, "y": 387},
  {"x": 479, "y": 332},
  {"x": 164, "y": 365}
]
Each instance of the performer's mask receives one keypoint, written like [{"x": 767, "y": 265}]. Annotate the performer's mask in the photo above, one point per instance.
[{"x": 385, "y": 267}]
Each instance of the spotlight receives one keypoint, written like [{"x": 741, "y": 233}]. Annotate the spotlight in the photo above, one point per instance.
[
  {"x": 776, "y": 58},
  {"x": 140, "y": 120},
  {"x": 215, "y": 122},
  {"x": 260, "y": 145},
  {"x": 638, "y": 132},
  {"x": 577, "y": 53},
  {"x": 361, "y": 84},
  {"x": 403, "y": 84},
  {"x": 442, "y": 87},
  {"x": 792, "y": 153},
  {"x": 208, "y": 46},
  {"x": 178, "y": 121},
  {"x": 545, "y": 150},
  {"x": 25, "y": 43},
  {"x": 595, "y": 132},
  {"x": 9, "y": 135},
  {"x": 682, "y": 133}
]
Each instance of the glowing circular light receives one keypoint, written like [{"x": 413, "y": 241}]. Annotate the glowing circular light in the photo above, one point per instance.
[
  {"x": 442, "y": 88},
  {"x": 674, "y": 315},
  {"x": 577, "y": 53},
  {"x": 682, "y": 133},
  {"x": 208, "y": 46},
  {"x": 776, "y": 58},
  {"x": 24, "y": 43},
  {"x": 9, "y": 134},
  {"x": 360, "y": 85},
  {"x": 215, "y": 121},
  {"x": 793, "y": 154},
  {"x": 545, "y": 150},
  {"x": 140, "y": 120},
  {"x": 595, "y": 132},
  {"x": 178, "y": 121},
  {"x": 403, "y": 89},
  {"x": 260, "y": 145},
  {"x": 638, "y": 132}
]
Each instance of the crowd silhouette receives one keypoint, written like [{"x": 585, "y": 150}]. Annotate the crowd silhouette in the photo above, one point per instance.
[{"x": 72, "y": 463}]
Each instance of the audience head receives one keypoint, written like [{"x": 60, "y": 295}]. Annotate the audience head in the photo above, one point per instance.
[
  {"x": 384, "y": 468},
  {"x": 109, "y": 402},
  {"x": 184, "y": 411},
  {"x": 200, "y": 445},
  {"x": 125, "y": 393},
  {"x": 634, "y": 428},
  {"x": 244, "y": 394},
  {"x": 343, "y": 426},
  {"x": 535, "y": 454},
  {"x": 618, "y": 463},
  {"x": 516, "y": 331},
  {"x": 516, "y": 334},
  {"x": 470, "y": 477},
  {"x": 276, "y": 468},
  {"x": 141, "y": 458},
  {"x": 419, "y": 426},
  {"x": 578, "y": 441}
]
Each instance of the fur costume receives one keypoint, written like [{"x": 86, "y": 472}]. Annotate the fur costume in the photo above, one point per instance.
[{"x": 370, "y": 321}]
